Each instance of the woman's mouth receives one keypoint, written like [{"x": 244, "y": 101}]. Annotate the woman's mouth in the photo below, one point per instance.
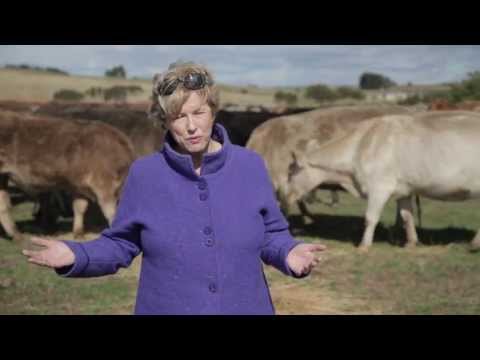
[{"x": 194, "y": 140}]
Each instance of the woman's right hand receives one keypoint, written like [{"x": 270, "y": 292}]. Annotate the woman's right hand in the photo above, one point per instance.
[{"x": 55, "y": 254}]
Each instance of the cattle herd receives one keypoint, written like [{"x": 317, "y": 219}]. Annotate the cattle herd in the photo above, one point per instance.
[{"x": 81, "y": 153}]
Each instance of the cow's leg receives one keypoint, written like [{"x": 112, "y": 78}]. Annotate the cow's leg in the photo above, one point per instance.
[
  {"x": 6, "y": 217},
  {"x": 80, "y": 206},
  {"x": 475, "y": 244},
  {"x": 335, "y": 198},
  {"x": 406, "y": 212},
  {"x": 305, "y": 213},
  {"x": 376, "y": 202},
  {"x": 351, "y": 189},
  {"x": 108, "y": 206}
]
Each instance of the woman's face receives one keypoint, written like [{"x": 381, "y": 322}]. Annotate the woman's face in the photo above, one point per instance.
[{"x": 192, "y": 128}]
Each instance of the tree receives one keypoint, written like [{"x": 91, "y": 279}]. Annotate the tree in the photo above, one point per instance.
[
  {"x": 284, "y": 97},
  {"x": 115, "y": 93},
  {"x": 117, "y": 72},
  {"x": 347, "y": 92},
  {"x": 372, "y": 81},
  {"x": 320, "y": 93},
  {"x": 94, "y": 91},
  {"x": 68, "y": 95}
]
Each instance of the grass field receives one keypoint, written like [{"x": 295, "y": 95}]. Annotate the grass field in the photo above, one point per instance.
[
  {"x": 439, "y": 277},
  {"x": 28, "y": 85}
]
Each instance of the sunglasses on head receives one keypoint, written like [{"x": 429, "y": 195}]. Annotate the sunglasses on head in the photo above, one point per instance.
[{"x": 192, "y": 81}]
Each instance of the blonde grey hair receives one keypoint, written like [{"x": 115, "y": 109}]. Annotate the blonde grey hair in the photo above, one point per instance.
[{"x": 169, "y": 106}]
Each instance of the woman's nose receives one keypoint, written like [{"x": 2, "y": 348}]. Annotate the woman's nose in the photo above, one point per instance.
[{"x": 190, "y": 124}]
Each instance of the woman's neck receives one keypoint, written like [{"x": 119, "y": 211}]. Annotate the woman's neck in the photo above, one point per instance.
[{"x": 213, "y": 146}]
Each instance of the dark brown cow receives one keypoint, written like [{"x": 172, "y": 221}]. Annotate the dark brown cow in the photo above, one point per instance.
[
  {"x": 38, "y": 154},
  {"x": 145, "y": 136},
  {"x": 132, "y": 120}
]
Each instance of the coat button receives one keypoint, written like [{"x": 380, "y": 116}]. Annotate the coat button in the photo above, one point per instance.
[
  {"x": 210, "y": 242},
  {"x": 203, "y": 196},
  {"x": 212, "y": 287},
  {"x": 202, "y": 185},
  {"x": 207, "y": 230}
]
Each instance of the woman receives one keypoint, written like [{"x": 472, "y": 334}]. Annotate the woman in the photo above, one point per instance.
[{"x": 202, "y": 212}]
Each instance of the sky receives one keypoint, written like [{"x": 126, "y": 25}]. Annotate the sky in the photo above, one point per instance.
[{"x": 262, "y": 65}]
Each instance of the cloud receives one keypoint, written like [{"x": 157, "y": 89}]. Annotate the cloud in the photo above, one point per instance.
[{"x": 264, "y": 65}]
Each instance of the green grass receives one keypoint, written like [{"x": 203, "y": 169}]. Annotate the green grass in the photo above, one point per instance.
[
  {"x": 438, "y": 277},
  {"x": 28, "y": 289}
]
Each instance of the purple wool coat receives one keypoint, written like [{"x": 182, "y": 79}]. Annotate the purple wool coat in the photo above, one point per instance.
[{"x": 202, "y": 238}]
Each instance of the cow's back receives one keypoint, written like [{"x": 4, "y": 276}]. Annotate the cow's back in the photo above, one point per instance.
[
  {"x": 276, "y": 139},
  {"x": 435, "y": 154},
  {"x": 43, "y": 152}
]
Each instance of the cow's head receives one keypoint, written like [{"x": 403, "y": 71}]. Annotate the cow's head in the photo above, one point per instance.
[{"x": 302, "y": 176}]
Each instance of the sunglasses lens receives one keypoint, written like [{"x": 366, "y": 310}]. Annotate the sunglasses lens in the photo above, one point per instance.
[
  {"x": 167, "y": 88},
  {"x": 194, "y": 81}
]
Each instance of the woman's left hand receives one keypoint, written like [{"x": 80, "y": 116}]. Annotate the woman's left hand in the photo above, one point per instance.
[{"x": 301, "y": 259}]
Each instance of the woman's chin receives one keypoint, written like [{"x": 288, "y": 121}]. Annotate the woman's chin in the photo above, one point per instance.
[{"x": 195, "y": 148}]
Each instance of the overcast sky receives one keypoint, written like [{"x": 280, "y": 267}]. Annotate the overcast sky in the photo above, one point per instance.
[{"x": 265, "y": 65}]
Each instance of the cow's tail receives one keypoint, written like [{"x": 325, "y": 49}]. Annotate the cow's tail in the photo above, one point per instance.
[{"x": 419, "y": 211}]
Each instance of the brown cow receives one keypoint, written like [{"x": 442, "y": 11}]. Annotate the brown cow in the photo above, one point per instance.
[
  {"x": 38, "y": 154},
  {"x": 132, "y": 120},
  {"x": 445, "y": 105}
]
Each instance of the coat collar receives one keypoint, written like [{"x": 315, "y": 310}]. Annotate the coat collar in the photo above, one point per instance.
[{"x": 211, "y": 163}]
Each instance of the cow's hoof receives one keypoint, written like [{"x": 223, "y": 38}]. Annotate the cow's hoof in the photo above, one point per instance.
[
  {"x": 19, "y": 238},
  {"x": 363, "y": 249},
  {"x": 410, "y": 245},
  {"x": 79, "y": 236},
  {"x": 474, "y": 248},
  {"x": 307, "y": 220}
]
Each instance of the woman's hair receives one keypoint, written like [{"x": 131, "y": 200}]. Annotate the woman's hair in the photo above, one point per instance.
[{"x": 168, "y": 106}]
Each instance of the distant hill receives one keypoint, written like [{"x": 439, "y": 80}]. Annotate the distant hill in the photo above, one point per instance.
[{"x": 39, "y": 86}]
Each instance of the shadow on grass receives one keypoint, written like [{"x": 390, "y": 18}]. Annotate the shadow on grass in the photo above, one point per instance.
[
  {"x": 350, "y": 229},
  {"x": 94, "y": 222}
]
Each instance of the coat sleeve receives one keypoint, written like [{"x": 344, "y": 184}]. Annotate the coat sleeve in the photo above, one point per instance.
[
  {"x": 117, "y": 245},
  {"x": 277, "y": 241}
]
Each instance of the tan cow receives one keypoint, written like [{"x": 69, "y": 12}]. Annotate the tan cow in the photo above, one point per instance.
[
  {"x": 278, "y": 139},
  {"x": 38, "y": 154},
  {"x": 432, "y": 154}
]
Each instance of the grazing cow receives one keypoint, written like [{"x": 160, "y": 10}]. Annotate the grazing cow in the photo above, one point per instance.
[
  {"x": 146, "y": 138},
  {"x": 39, "y": 154},
  {"x": 432, "y": 154},
  {"x": 133, "y": 121},
  {"x": 278, "y": 139}
]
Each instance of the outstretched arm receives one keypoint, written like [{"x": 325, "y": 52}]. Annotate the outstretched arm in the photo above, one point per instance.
[
  {"x": 280, "y": 249},
  {"x": 116, "y": 247}
]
